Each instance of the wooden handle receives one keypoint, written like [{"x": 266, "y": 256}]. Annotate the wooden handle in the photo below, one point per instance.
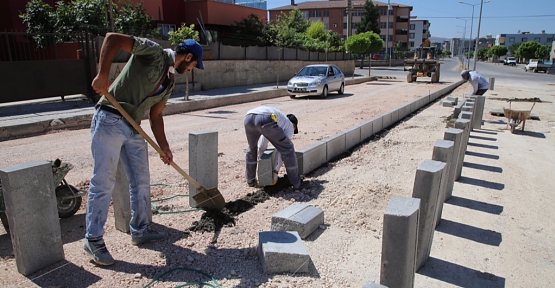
[{"x": 131, "y": 121}]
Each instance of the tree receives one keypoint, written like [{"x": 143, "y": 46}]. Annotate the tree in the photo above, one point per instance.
[
  {"x": 39, "y": 18},
  {"x": 528, "y": 49},
  {"x": 543, "y": 52},
  {"x": 358, "y": 44},
  {"x": 513, "y": 49},
  {"x": 446, "y": 53},
  {"x": 183, "y": 33},
  {"x": 370, "y": 20},
  {"x": 483, "y": 52},
  {"x": 283, "y": 33},
  {"x": 397, "y": 48},
  {"x": 317, "y": 31},
  {"x": 252, "y": 28},
  {"x": 133, "y": 19},
  {"x": 498, "y": 51}
]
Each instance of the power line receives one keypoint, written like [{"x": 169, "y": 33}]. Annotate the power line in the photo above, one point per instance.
[{"x": 492, "y": 17}]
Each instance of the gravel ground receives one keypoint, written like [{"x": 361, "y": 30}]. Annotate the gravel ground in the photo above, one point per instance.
[{"x": 353, "y": 191}]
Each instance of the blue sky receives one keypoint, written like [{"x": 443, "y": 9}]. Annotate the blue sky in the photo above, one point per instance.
[{"x": 498, "y": 16}]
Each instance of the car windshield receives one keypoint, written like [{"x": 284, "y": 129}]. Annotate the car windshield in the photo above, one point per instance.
[{"x": 313, "y": 71}]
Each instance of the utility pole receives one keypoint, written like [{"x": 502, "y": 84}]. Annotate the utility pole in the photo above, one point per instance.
[
  {"x": 387, "y": 34},
  {"x": 478, "y": 34},
  {"x": 349, "y": 18}
]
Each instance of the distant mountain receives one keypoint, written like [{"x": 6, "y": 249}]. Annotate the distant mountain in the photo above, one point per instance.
[{"x": 438, "y": 39}]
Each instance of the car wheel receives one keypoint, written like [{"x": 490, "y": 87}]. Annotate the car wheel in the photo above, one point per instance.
[
  {"x": 325, "y": 92},
  {"x": 341, "y": 89},
  {"x": 292, "y": 96}
]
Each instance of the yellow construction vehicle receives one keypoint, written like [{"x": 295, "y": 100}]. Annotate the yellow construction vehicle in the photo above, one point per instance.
[{"x": 423, "y": 64}]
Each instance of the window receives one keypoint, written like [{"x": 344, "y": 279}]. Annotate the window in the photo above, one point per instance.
[
  {"x": 326, "y": 13},
  {"x": 382, "y": 24},
  {"x": 383, "y": 37},
  {"x": 391, "y": 12},
  {"x": 165, "y": 28},
  {"x": 383, "y": 12},
  {"x": 336, "y": 70},
  {"x": 537, "y": 39},
  {"x": 312, "y": 14},
  {"x": 411, "y": 44},
  {"x": 318, "y": 13},
  {"x": 412, "y": 27},
  {"x": 524, "y": 39},
  {"x": 411, "y": 35},
  {"x": 305, "y": 14},
  {"x": 549, "y": 39},
  {"x": 511, "y": 39},
  {"x": 390, "y": 24},
  {"x": 390, "y": 37},
  {"x": 344, "y": 25},
  {"x": 326, "y": 26}
]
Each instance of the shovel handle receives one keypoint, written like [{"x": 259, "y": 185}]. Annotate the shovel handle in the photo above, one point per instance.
[{"x": 131, "y": 121}]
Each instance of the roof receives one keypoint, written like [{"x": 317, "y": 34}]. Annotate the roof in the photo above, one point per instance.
[{"x": 331, "y": 4}]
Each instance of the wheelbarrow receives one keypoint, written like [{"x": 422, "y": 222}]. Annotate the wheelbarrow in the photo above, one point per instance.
[
  {"x": 515, "y": 117},
  {"x": 68, "y": 197}
]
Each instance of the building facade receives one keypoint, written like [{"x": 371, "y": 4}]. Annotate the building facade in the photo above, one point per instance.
[
  {"x": 394, "y": 23},
  {"x": 509, "y": 39},
  {"x": 419, "y": 31}
]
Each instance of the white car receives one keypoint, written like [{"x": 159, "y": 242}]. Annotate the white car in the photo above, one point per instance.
[{"x": 317, "y": 80}]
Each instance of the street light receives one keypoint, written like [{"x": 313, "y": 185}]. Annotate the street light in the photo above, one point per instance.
[
  {"x": 387, "y": 33},
  {"x": 470, "y": 39},
  {"x": 464, "y": 36},
  {"x": 471, "y": 28}
]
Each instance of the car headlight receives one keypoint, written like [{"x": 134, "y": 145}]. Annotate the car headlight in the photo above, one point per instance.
[
  {"x": 316, "y": 83},
  {"x": 289, "y": 83}
]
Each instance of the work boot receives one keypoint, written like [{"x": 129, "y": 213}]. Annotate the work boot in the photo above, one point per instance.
[
  {"x": 98, "y": 252},
  {"x": 304, "y": 185},
  {"x": 147, "y": 236},
  {"x": 252, "y": 183}
]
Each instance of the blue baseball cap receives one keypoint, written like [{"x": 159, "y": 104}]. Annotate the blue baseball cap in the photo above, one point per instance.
[{"x": 195, "y": 48}]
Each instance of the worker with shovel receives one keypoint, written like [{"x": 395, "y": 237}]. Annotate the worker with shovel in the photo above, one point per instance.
[
  {"x": 277, "y": 128},
  {"x": 146, "y": 82}
]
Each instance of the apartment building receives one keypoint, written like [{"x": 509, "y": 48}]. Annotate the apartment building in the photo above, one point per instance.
[
  {"x": 333, "y": 13},
  {"x": 509, "y": 39},
  {"x": 419, "y": 31}
]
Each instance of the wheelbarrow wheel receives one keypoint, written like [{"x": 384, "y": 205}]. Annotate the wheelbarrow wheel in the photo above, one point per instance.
[
  {"x": 4, "y": 219},
  {"x": 68, "y": 206}
]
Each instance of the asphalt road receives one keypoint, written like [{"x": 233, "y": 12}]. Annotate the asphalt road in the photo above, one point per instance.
[{"x": 450, "y": 70}]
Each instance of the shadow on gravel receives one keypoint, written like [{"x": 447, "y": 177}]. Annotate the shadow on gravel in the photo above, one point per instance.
[
  {"x": 529, "y": 133},
  {"x": 482, "y": 155},
  {"x": 483, "y": 167},
  {"x": 475, "y": 205},
  {"x": 64, "y": 274},
  {"x": 481, "y": 183},
  {"x": 459, "y": 275},
  {"x": 472, "y": 233}
]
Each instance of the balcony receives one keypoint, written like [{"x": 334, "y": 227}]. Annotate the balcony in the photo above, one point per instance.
[
  {"x": 401, "y": 31},
  {"x": 401, "y": 19}
]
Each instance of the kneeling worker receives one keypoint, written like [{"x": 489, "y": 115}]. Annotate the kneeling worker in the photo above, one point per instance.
[{"x": 277, "y": 128}]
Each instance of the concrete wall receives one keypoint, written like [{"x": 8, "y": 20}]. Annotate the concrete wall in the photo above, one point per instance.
[{"x": 229, "y": 73}]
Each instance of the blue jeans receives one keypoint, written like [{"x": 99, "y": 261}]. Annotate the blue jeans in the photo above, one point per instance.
[{"x": 113, "y": 139}]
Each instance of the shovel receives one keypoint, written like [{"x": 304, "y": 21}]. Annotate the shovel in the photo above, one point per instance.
[{"x": 209, "y": 199}]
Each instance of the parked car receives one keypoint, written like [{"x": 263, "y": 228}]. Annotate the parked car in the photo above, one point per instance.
[
  {"x": 510, "y": 61},
  {"x": 317, "y": 80},
  {"x": 536, "y": 66},
  {"x": 376, "y": 57}
]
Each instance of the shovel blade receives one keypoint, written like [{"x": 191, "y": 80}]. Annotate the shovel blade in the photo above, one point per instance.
[{"x": 210, "y": 199}]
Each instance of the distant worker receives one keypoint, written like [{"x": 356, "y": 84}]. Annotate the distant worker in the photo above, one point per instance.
[
  {"x": 278, "y": 129},
  {"x": 479, "y": 84}
]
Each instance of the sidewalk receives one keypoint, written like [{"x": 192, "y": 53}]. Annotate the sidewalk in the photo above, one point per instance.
[{"x": 34, "y": 117}]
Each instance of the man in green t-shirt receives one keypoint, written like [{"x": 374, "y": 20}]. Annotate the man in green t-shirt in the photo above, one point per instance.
[{"x": 146, "y": 82}]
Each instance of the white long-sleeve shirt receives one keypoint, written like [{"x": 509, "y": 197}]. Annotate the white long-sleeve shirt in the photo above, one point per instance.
[
  {"x": 282, "y": 122},
  {"x": 478, "y": 82}
]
